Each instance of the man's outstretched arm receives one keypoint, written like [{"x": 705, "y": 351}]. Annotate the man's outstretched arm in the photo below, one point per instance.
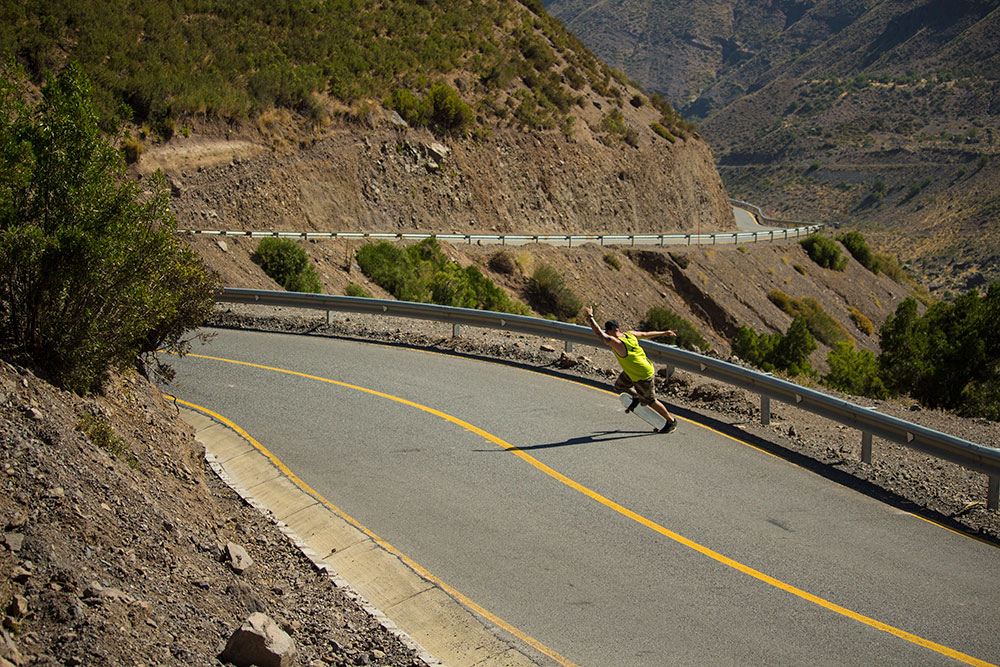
[{"x": 653, "y": 334}]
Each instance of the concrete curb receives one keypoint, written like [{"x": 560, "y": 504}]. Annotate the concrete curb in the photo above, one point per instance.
[{"x": 437, "y": 627}]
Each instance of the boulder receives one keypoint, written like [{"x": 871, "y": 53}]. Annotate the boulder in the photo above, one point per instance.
[{"x": 259, "y": 641}]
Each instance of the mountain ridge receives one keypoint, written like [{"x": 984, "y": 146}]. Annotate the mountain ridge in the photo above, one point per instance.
[{"x": 841, "y": 112}]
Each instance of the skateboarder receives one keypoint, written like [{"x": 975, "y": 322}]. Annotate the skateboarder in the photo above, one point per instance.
[{"x": 637, "y": 371}]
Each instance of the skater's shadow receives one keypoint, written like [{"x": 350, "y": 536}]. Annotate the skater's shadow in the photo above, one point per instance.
[{"x": 593, "y": 439}]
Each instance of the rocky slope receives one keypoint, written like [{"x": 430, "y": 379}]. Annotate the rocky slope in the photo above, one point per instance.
[
  {"x": 397, "y": 179},
  {"x": 118, "y": 543}
]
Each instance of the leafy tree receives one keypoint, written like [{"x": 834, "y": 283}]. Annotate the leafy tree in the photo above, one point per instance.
[
  {"x": 91, "y": 274},
  {"x": 792, "y": 352},
  {"x": 855, "y": 372},
  {"x": 287, "y": 264},
  {"x": 903, "y": 340},
  {"x": 949, "y": 357},
  {"x": 770, "y": 352}
]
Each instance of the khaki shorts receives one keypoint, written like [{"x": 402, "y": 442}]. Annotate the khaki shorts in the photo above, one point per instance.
[{"x": 643, "y": 388}]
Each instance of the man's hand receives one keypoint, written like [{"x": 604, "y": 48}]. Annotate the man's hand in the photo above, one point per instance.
[{"x": 589, "y": 311}]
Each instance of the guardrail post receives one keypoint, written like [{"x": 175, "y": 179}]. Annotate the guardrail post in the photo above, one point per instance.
[
  {"x": 456, "y": 330},
  {"x": 765, "y": 410},
  {"x": 866, "y": 447},
  {"x": 569, "y": 346},
  {"x": 993, "y": 495},
  {"x": 329, "y": 317}
]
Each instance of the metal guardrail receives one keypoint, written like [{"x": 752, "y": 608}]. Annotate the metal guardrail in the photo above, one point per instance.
[
  {"x": 568, "y": 240},
  {"x": 870, "y": 422}
]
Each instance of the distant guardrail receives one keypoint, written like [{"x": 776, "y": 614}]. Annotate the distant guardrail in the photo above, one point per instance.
[
  {"x": 568, "y": 240},
  {"x": 866, "y": 420}
]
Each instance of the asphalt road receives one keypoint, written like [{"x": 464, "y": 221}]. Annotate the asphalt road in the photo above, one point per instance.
[{"x": 612, "y": 546}]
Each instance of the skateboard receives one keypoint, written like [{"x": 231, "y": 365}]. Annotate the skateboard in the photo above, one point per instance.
[{"x": 645, "y": 412}]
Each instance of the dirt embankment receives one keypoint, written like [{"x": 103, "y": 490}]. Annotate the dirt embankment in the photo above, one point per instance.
[{"x": 396, "y": 179}]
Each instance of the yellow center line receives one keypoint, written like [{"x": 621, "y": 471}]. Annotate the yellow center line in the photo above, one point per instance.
[{"x": 607, "y": 502}]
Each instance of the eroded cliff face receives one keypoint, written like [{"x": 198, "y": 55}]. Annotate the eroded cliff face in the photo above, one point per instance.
[{"x": 392, "y": 178}]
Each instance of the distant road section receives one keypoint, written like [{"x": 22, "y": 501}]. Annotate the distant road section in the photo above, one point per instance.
[{"x": 746, "y": 221}]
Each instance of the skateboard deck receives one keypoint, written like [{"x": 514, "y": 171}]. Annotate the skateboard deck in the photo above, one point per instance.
[{"x": 645, "y": 412}]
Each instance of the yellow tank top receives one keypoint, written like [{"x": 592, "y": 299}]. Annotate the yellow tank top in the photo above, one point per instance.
[{"x": 635, "y": 364}]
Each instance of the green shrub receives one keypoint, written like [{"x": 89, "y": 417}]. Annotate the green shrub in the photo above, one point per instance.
[
  {"x": 503, "y": 262},
  {"x": 661, "y": 319},
  {"x": 287, "y": 264},
  {"x": 354, "y": 289},
  {"x": 772, "y": 352},
  {"x": 409, "y": 107},
  {"x": 820, "y": 323},
  {"x": 889, "y": 265},
  {"x": 423, "y": 273},
  {"x": 548, "y": 293},
  {"x": 861, "y": 321},
  {"x": 614, "y": 124},
  {"x": 663, "y": 132},
  {"x": 100, "y": 433},
  {"x": 855, "y": 372},
  {"x": 856, "y": 245},
  {"x": 448, "y": 113},
  {"x": 92, "y": 276},
  {"x": 611, "y": 259},
  {"x": 824, "y": 251}
]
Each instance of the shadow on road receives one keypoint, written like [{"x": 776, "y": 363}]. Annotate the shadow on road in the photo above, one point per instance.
[{"x": 596, "y": 438}]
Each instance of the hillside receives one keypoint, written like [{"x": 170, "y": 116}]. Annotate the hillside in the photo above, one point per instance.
[
  {"x": 716, "y": 288},
  {"x": 878, "y": 115},
  {"x": 540, "y": 134}
]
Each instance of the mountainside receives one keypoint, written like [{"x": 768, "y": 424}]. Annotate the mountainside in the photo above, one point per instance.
[
  {"x": 538, "y": 134},
  {"x": 880, "y": 115}
]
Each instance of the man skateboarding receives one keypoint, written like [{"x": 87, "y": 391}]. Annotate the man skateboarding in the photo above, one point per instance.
[{"x": 636, "y": 378}]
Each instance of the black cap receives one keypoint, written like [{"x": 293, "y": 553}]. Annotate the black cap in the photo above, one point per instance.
[{"x": 610, "y": 324}]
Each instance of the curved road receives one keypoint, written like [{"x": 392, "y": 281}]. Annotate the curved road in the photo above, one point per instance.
[{"x": 612, "y": 546}]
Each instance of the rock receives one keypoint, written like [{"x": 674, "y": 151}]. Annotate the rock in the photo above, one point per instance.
[
  {"x": 35, "y": 414},
  {"x": 244, "y": 593},
  {"x": 18, "y": 606},
  {"x": 14, "y": 541},
  {"x": 547, "y": 348},
  {"x": 238, "y": 558},
  {"x": 566, "y": 361},
  {"x": 222, "y": 246},
  {"x": 9, "y": 652},
  {"x": 438, "y": 151},
  {"x": 398, "y": 121},
  {"x": 259, "y": 641}
]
